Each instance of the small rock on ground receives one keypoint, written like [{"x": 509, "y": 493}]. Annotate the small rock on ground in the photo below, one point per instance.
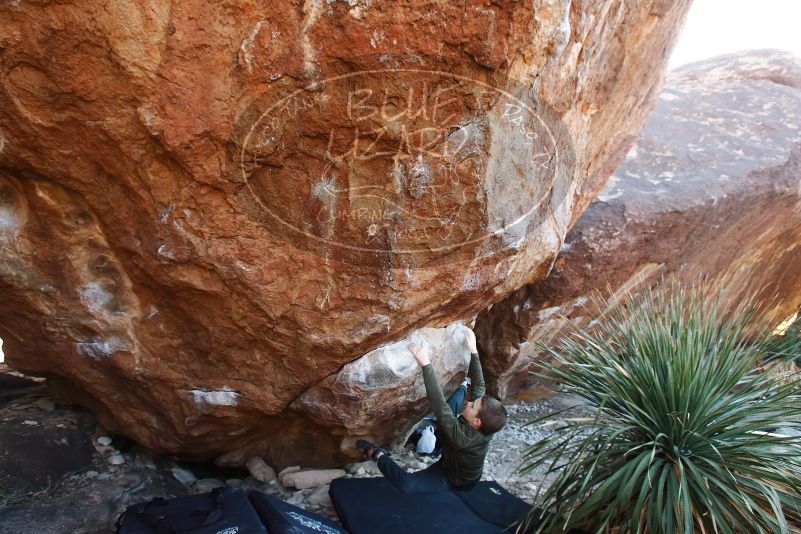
[
  {"x": 260, "y": 470},
  {"x": 184, "y": 476},
  {"x": 311, "y": 478}
]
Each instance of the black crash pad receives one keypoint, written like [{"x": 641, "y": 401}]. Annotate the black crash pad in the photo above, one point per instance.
[
  {"x": 284, "y": 518},
  {"x": 373, "y": 505},
  {"x": 492, "y": 503},
  {"x": 223, "y": 511}
]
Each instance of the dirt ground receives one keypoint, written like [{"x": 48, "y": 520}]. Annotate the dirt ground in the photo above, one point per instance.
[{"x": 60, "y": 472}]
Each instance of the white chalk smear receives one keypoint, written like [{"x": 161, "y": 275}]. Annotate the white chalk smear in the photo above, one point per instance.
[{"x": 217, "y": 397}]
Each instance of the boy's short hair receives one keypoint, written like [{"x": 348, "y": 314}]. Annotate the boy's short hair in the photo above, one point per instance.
[{"x": 492, "y": 415}]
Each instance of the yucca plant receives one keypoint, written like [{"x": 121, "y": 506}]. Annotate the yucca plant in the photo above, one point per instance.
[
  {"x": 686, "y": 435},
  {"x": 786, "y": 346},
  {"x": 783, "y": 355}
]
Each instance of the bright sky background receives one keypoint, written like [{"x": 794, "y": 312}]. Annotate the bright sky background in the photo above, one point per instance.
[{"x": 717, "y": 27}]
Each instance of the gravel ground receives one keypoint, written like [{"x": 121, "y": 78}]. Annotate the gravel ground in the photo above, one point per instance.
[{"x": 107, "y": 473}]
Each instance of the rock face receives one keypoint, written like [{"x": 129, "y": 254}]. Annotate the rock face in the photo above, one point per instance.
[
  {"x": 712, "y": 188},
  {"x": 369, "y": 388},
  {"x": 209, "y": 208}
]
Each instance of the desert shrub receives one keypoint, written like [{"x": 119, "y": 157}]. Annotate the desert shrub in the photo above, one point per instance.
[
  {"x": 687, "y": 436},
  {"x": 785, "y": 347}
]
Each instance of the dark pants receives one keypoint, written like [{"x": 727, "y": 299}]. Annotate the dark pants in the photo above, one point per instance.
[
  {"x": 434, "y": 478},
  {"x": 456, "y": 400}
]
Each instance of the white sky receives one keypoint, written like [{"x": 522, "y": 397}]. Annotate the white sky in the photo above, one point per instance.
[{"x": 717, "y": 27}]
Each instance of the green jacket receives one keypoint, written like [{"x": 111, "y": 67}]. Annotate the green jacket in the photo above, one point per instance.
[{"x": 464, "y": 448}]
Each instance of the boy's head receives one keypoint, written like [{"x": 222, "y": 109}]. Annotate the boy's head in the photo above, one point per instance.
[{"x": 486, "y": 414}]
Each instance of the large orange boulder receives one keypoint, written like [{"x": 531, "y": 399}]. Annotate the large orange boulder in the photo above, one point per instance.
[
  {"x": 711, "y": 192},
  {"x": 209, "y": 209}
]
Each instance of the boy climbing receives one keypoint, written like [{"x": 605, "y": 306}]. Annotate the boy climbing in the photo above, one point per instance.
[{"x": 466, "y": 435}]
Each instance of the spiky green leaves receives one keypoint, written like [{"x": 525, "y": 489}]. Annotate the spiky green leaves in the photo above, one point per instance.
[{"x": 687, "y": 436}]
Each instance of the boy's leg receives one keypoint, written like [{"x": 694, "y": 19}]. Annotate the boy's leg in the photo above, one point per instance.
[
  {"x": 433, "y": 479},
  {"x": 456, "y": 400}
]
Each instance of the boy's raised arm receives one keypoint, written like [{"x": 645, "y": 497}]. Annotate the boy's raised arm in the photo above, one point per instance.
[
  {"x": 475, "y": 373},
  {"x": 446, "y": 421},
  {"x": 476, "y": 377}
]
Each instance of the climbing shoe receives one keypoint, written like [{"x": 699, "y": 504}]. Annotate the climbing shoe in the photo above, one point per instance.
[{"x": 369, "y": 450}]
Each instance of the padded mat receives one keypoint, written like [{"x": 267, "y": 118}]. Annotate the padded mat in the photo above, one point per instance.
[
  {"x": 283, "y": 518},
  {"x": 224, "y": 511},
  {"x": 373, "y": 505},
  {"x": 492, "y": 503}
]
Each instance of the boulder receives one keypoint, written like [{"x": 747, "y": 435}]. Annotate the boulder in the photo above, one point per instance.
[
  {"x": 377, "y": 384},
  {"x": 208, "y": 208},
  {"x": 712, "y": 189}
]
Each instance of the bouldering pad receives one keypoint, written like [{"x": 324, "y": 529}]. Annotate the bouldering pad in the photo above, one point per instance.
[
  {"x": 223, "y": 511},
  {"x": 370, "y": 505},
  {"x": 283, "y": 518}
]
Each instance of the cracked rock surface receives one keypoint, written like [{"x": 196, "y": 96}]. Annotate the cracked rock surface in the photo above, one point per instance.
[
  {"x": 208, "y": 208},
  {"x": 711, "y": 189}
]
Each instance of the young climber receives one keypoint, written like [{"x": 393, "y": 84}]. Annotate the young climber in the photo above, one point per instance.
[{"x": 466, "y": 435}]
